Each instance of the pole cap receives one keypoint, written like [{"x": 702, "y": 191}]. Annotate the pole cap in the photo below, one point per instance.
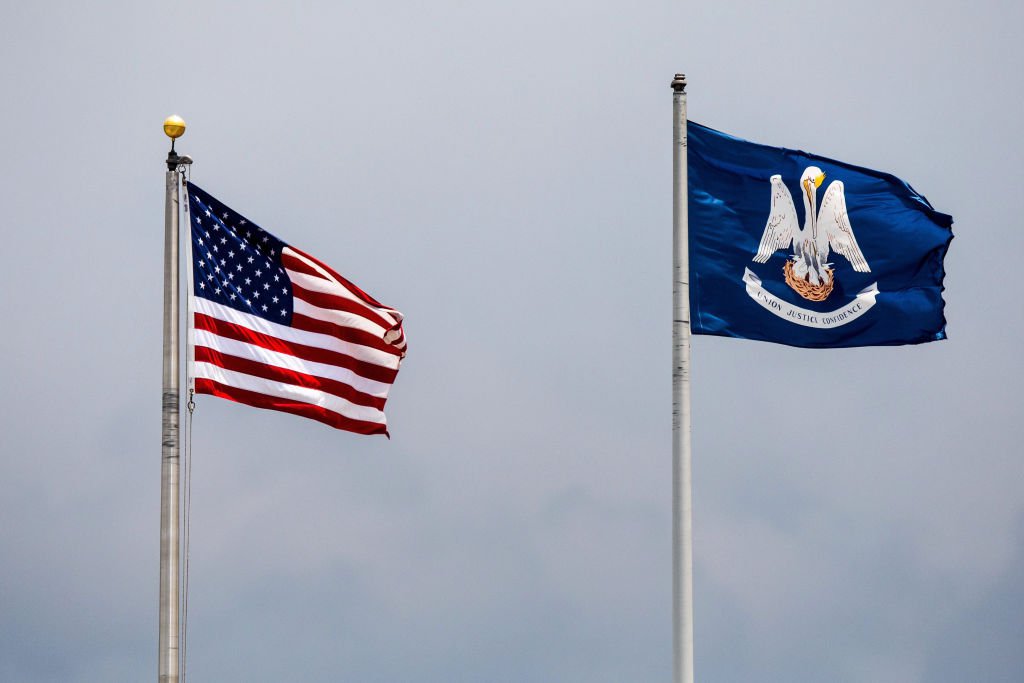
[
  {"x": 679, "y": 83},
  {"x": 174, "y": 127}
]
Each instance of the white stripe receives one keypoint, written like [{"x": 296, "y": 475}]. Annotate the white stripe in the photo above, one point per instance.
[
  {"x": 344, "y": 318},
  {"x": 288, "y": 334},
  {"x": 321, "y": 286},
  {"x": 289, "y": 392},
  {"x": 392, "y": 335},
  {"x": 252, "y": 352},
  {"x": 332, "y": 286}
]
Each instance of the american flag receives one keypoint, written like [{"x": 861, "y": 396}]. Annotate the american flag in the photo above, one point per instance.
[{"x": 275, "y": 328}]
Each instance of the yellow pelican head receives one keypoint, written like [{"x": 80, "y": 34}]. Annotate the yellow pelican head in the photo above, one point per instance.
[{"x": 810, "y": 181}]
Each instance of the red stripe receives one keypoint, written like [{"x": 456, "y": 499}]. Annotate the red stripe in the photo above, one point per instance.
[
  {"x": 283, "y": 376},
  {"x": 348, "y": 334},
  {"x": 306, "y": 268},
  {"x": 252, "y": 398},
  {"x": 333, "y": 301},
  {"x": 304, "y": 351},
  {"x": 298, "y": 265}
]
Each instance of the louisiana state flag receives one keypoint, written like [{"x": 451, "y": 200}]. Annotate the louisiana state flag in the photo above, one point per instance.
[{"x": 798, "y": 249}]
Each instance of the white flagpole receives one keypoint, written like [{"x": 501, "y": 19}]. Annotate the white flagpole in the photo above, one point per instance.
[
  {"x": 170, "y": 549},
  {"x": 682, "y": 508}
]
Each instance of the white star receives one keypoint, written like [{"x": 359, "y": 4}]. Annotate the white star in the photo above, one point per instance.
[
  {"x": 248, "y": 303},
  {"x": 239, "y": 267},
  {"x": 232, "y": 297},
  {"x": 231, "y": 276},
  {"x": 202, "y": 285},
  {"x": 223, "y": 262},
  {"x": 256, "y": 295},
  {"x": 264, "y": 307},
  {"x": 216, "y": 227},
  {"x": 216, "y": 269},
  {"x": 215, "y": 248},
  {"x": 223, "y": 240},
  {"x": 207, "y": 233},
  {"x": 273, "y": 251},
  {"x": 284, "y": 290},
  {"x": 266, "y": 285},
  {"x": 276, "y": 278},
  {"x": 250, "y": 259},
  {"x": 259, "y": 272},
  {"x": 225, "y": 215},
  {"x": 208, "y": 213},
  {"x": 201, "y": 263},
  {"x": 274, "y": 299},
  {"x": 210, "y": 276},
  {"x": 242, "y": 222},
  {"x": 248, "y": 281},
  {"x": 231, "y": 254},
  {"x": 265, "y": 239},
  {"x": 198, "y": 221},
  {"x": 217, "y": 291},
  {"x": 283, "y": 312},
  {"x": 200, "y": 241}
]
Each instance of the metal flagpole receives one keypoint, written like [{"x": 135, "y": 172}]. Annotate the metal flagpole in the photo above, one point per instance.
[
  {"x": 682, "y": 508},
  {"x": 170, "y": 561}
]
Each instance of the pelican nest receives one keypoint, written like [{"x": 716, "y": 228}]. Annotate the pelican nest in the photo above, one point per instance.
[{"x": 804, "y": 288}]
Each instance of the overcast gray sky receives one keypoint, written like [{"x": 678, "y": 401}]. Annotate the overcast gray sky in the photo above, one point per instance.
[{"x": 501, "y": 173}]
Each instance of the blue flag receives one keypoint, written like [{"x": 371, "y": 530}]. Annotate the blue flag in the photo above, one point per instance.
[{"x": 797, "y": 249}]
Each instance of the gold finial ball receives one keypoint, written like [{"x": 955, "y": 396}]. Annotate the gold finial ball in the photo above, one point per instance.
[{"x": 174, "y": 127}]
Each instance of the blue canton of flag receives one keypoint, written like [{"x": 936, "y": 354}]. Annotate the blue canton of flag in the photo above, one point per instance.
[
  {"x": 275, "y": 328},
  {"x": 860, "y": 265},
  {"x": 236, "y": 263}
]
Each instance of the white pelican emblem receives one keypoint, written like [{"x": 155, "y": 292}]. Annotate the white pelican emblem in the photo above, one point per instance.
[{"x": 807, "y": 272}]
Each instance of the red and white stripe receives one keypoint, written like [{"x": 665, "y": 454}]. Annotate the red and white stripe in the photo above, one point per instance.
[{"x": 335, "y": 363}]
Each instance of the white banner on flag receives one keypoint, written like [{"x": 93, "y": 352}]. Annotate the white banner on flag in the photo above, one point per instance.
[{"x": 864, "y": 300}]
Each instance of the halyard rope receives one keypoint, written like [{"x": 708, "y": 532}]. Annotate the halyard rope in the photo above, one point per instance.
[{"x": 191, "y": 406}]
